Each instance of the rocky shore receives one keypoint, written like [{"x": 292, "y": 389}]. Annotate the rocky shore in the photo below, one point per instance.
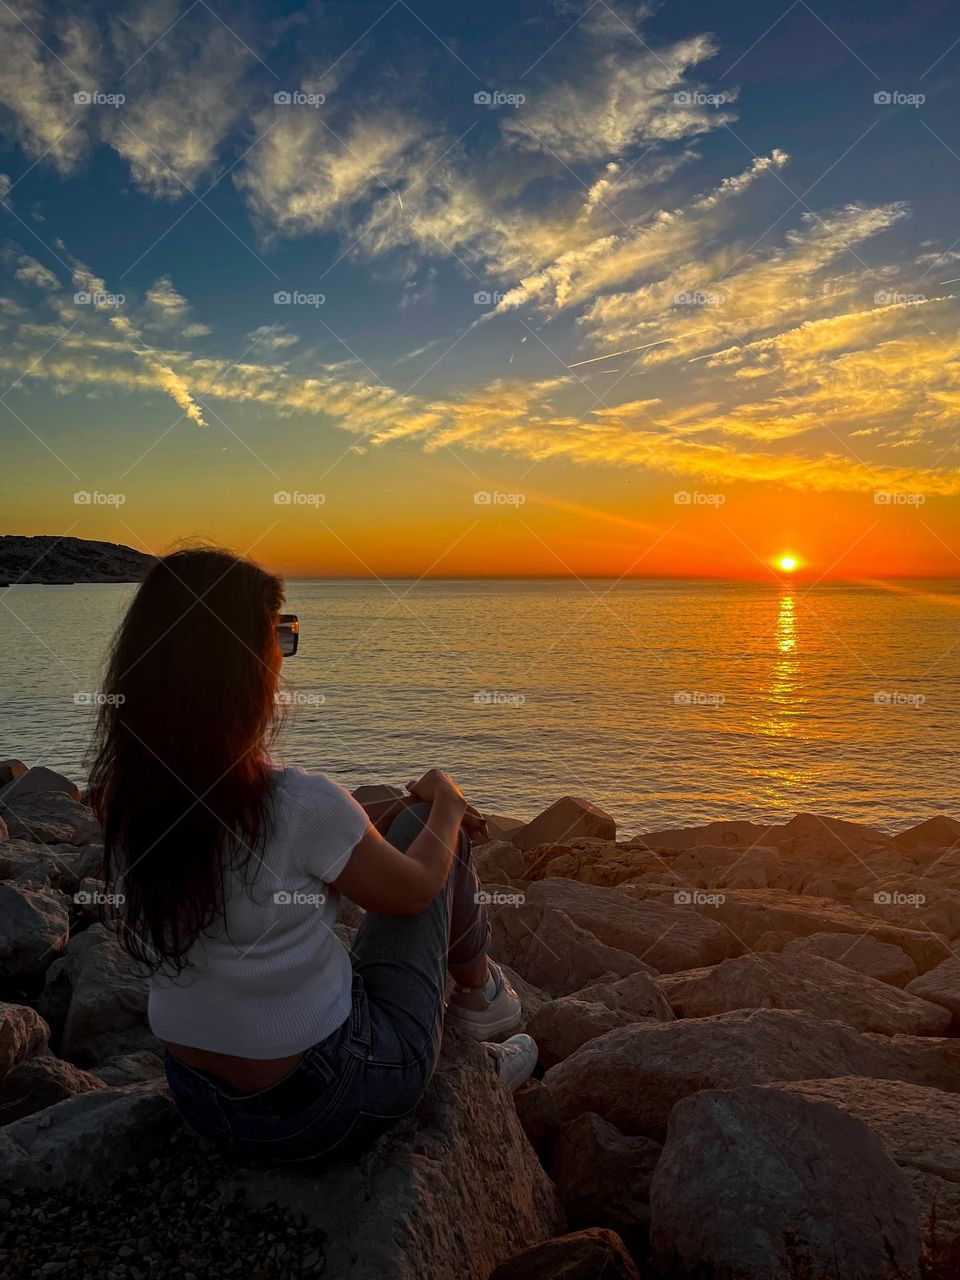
[
  {"x": 750, "y": 1069},
  {"x": 59, "y": 561}
]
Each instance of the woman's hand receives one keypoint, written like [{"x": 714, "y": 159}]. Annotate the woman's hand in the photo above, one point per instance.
[{"x": 437, "y": 787}]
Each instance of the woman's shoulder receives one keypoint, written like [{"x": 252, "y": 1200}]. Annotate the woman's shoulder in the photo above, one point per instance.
[{"x": 314, "y": 794}]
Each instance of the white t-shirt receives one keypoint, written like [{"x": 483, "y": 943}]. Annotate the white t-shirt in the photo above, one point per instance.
[{"x": 272, "y": 978}]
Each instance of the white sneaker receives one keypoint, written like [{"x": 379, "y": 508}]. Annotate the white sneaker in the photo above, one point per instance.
[
  {"x": 515, "y": 1059},
  {"x": 470, "y": 1010}
]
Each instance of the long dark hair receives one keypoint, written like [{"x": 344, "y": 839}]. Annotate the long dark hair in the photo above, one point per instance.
[{"x": 180, "y": 774}]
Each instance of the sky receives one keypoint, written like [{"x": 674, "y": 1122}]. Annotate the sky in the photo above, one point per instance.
[{"x": 405, "y": 289}]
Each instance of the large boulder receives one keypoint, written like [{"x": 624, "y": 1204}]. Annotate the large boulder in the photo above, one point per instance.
[
  {"x": 547, "y": 949},
  {"x": 420, "y": 1205},
  {"x": 130, "y": 1068},
  {"x": 562, "y": 1026},
  {"x": 731, "y": 834},
  {"x": 601, "y": 1175},
  {"x": 34, "y": 927},
  {"x": 500, "y": 827},
  {"x": 40, "y": 1082},
  {"x": 755, "y": 1183},
  {"x": 23, "y": 1033},
  {"x": 563, "y": 821},
  {"x": 795, "y": 980},
  {"x": 498, "y": 861},
  {"x": 920, "y": 1131},
  {"x": 633, "y": 1076},
  {"x": 48, "y": 818},
  {"x": 664, "y": 934},
  {"x": 592, "y": 861},
  {"x": 83, "y": 1143},
  {"x": 749, "y": 913},
  {"x": 594, "y": 1254},
  {"x": 929, "y": 839},
  {"x": 38, "y": 781},
  {"x": 867, "y": 955},
  {"x": 94, "y": 991},
  {"x": 940, "y": 986},
  {"x": 10, "y": 769}
]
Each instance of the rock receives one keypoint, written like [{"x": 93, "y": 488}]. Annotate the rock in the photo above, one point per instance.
[
  {"x": 920, "y": 1130},
  {"x": 736, "y": 835},
  {"x": 49, "y": 818},
  {"x": 880, "y": 960},
  {"x": 4, "y": 833},
  {"x": 601, "y": 1175},
  {"x": 634, "y": 1075},
  {"x": 422, "y": 1204},
  {"x": 39, "y": 1082},
  {"x": 749, "y": 913},
  {"x": 755, "y": 1183},
  {"x": 498, "y": 860},
  {"x": 537, "y": 1114},
  {"x": 501, "y": 828},
  {"x": 914, "y": 902},
  {"x": 130, "y": 1068},
  {"x": 774, "y": 940},
  {"x": 547, "y": 949},
  {"x": 941, "y": 986},
  {"x": 83, "y": 1143},
  {"x": 563, "y": 821},
  {"x": 95, "y": 990},
  {"x": 532, "y": 999},
  {"x": 592, "y": 861},
  {"x": 563, "y": 1025},
  {"x": 38, "y": 781},
  {"x": 798, "y": 980},
  {"x": 34, "y": 927},
  {"x": 11, "y": 769},
  {"x": 23, "y": 1033},
  {"x": 666, "y": 935},
  {"x": 941, "y": 832},
  {"x": 594, "y": 1254}
]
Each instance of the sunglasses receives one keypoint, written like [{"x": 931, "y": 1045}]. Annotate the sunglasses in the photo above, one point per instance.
[{"x": 288, "y": 634}]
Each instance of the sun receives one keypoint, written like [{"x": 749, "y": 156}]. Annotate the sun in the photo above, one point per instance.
[{"x": 788, "y": 563}]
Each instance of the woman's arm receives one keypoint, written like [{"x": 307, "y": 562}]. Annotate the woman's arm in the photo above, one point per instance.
[{"x": 380, "y": 878}]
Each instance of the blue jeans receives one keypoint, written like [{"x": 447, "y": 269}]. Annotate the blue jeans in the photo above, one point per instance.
[{"x": 350, "y": 1088}]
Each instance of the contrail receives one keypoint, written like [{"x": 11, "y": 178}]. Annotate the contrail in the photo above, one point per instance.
[{"x": 646, "y": 346}]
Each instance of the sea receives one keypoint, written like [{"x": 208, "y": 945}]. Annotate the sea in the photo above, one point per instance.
[{"x": 666, "y": 702}]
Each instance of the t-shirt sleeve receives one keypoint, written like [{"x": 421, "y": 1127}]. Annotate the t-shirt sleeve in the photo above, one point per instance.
[{"x": 330, "y": 824}]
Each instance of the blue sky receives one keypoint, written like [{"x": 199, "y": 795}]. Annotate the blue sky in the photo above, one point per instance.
[{"x": 714, "y": 191}]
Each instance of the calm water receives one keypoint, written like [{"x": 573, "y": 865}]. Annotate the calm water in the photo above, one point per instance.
[{"x": 666, "y": 702}]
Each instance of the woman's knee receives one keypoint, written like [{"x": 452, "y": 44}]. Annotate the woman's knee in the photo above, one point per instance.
[{"x": 406, "y": 826}]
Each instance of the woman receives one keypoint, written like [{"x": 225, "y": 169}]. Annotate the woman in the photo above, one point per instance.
[{"x": 279, "y": 1044}]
